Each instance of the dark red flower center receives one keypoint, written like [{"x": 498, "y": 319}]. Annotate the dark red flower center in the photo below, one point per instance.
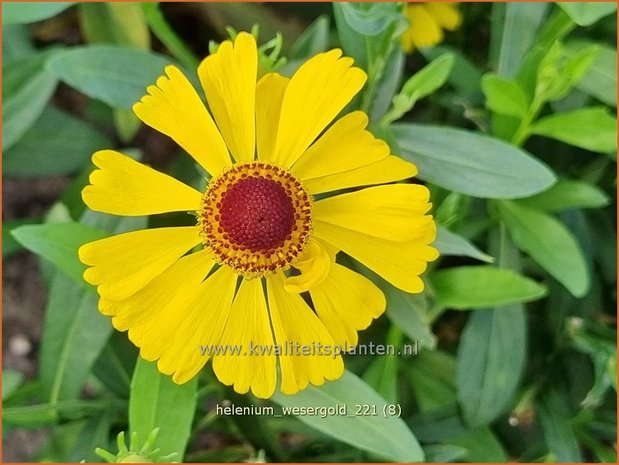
[
  {"x": 256, "y": 218},
  {"x": 257, "y": 214}
]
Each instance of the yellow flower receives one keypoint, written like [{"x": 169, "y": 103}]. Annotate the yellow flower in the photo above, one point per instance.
[
  {"x": 266, "y": 274},
  {"x": 427, "y": 21}
]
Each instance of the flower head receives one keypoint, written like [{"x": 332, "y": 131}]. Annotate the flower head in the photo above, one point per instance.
[
  {"x": 265, "y": 276},
  {"x": 427, "y": 21}
]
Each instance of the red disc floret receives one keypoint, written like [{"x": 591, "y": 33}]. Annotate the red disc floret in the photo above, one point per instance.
[{"x": 257, "y": 214}]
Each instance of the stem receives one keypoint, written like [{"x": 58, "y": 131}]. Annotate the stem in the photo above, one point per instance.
[{"x": 523, "y": 131}]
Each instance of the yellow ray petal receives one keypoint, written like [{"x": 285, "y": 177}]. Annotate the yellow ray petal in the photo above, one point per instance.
[
  {"x": 388, "y": 169},
  {"x": 424, "y": 31},
  {"x": 176, "y": 288},
  {"x": 317, "y": 92},
  {"x": 269, "y": 95},
  {"x": 122, "y": 186},
  {"x": 395, "y": 212},
  {"x": 400, "y": 263},
  {"x": 346, "y": 302},
  {"x": 174, "y": 108},
  {"x": 178, "y": 313},
  {"x": 314, "y": 264},
  {"x": 446, "y": 15},
  {"x": 344, "y": 146},
  {"x": 248, "y": 327},
  {"x": 229, "y": 80},
  {"x": 300, "y": 334},
  {"x": 202, "y": 327},
  {"x": 123, "y": 264}
]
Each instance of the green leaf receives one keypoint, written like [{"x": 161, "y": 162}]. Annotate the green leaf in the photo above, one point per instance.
[
  {"x": 517, "y": 36},
  {"x": 56, "y": 144},
  {"x": 443, "y": 453},
  {"x": 440, "y": 420},
  {"x": 373, "y": 53},
  {"x": 429, "y": 78},
  {"x": 591, "y": 128},
  {"x": 164, "y": 32},
  {"x": 58, "y": 243},
  {"x": 554, "y": 415},
  {"x": 27, "y": 87},
  {"x": 410, "y": 313},
  {"x": 482, "y": 446},
  {"x": 101, "y": 72},
  {"x": 387, "y": 85},
  {"x": 557, "y": 76},
  {"x": 468, "y": 287},
  {"x": 31, "y": 12},
  {"x": 386, "y": 437},
  {"x": 600, "y": 343},
  {"x": 603, "y": 228},
  {"x": 11, "y": 379},
  {"x": 42, "y": 414},
  {"x": 353, "y": 43},
  {"x": 116, "y": 23},
  {"x": 470, "y": 163},
  {"x": 369, "y": 19},
  {"x": 93, "y": 433},
  {"x": 600, "y": 81},
  {"x": 504, "y": 96},
  {"x": 567, "y": 194},
  {"x": 549, "y": 243},
  {"x": 432, "y": 376},
  {"x": 450, "y": 243},
  {"x": 156, "y": 401},
  {"x": 116, "y": 363},
  {"x": 16, "y": 42},
  {"x": 74, "y": 331},
  {"x": 491, "y": 357},
  {"x": 382, "y": 375},
  {"x": 465, "y": 77},
  {"x": 313, "y": 40},
  {"x": 9, "y": 245},
  {"x": 587, "y": 13},
  {"x": 419, "y": 85},
  {"x": 74, "y": 334}
]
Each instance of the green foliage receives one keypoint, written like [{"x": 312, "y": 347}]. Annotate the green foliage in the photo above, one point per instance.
[
  {"x": 449, "y": 243},
  {"x": 156, "y": 402},
  {"x": 466, "y": 287},
  {"x": 471, "y": 163},
  {"x": 600, "y": 81},
  {"x": 24, "y": 13},
  {"x": 100, "y": 71},
  {"x": 423, "y": 83},
  {"x": 58, "y": 243},
  {"x": 592, "y": 129},
  {"x": 491, "y": 359},
  {"x": 385, "y": 436},
  {"x": 587, "y": 13},
  {"x": 56, "y": 144},
  {"x": 567, "y": 194},
  {"x": 562, "y": 257},
  {"x": 28, "y": 87},
  {"x": 313, "y": 40}
]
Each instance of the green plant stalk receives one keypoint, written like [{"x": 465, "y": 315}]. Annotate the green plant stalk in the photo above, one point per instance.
[
  {"x": 161, "y": 28},
  {"x": 524, "y": 128}
]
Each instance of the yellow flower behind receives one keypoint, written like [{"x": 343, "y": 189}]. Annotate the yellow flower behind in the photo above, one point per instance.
[
  {"x": 265, "y": 272},
  {"x": 427, "y": 21}
]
